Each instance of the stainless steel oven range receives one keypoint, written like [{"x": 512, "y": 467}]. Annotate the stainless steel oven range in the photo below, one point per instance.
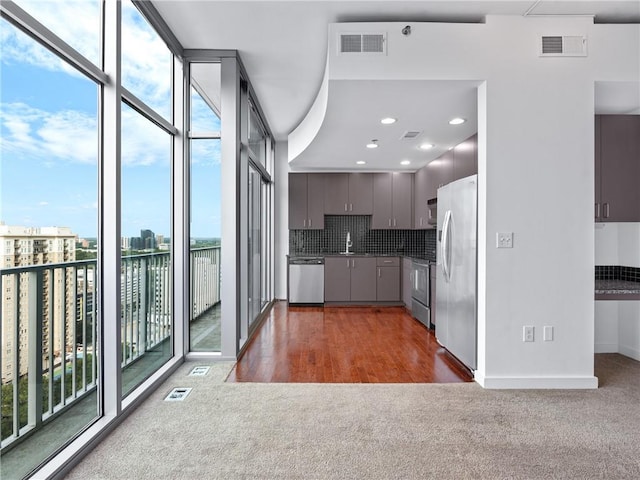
[{"x": 420, "y": 292}]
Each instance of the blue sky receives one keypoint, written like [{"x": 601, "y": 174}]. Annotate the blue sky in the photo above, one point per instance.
[{"x": 48, "y": 132}]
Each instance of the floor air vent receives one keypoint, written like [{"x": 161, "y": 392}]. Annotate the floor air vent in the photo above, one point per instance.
[
  {"x": 200, "y": 371},
  {"x": 563, "y": 46},
  {"x": 177, "y": 394},
  {"x": 362, "y": 43}
]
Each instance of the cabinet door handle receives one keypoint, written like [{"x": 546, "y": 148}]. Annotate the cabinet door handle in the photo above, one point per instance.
[
  {"x": 379, "y": 274},
  {"x": 420, "y": 221},
  {"x": 387, "y": 261},
  {"x": 309, "y": 223},
  {"x": 345, "y": 207},
  {"x": 347, "y": 263},
  {"x": 389, "y": 222},
  {"x": 351, "y": 207},
  {"x": 353, "y": 264},
  {"x": 304, "y": 223},
  {"x": 597, "y": 210},
  {"x": 394, "y": 222},
  {"x": 606, "y": 209}
]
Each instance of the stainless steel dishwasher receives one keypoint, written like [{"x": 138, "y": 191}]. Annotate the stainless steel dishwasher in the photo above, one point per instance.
[{"x": 306, "y": 280}]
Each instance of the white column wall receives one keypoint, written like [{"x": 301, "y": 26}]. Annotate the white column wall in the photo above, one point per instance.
[
  {"x": 536, "y": 177},
  {"x": 281, "y": 221}
]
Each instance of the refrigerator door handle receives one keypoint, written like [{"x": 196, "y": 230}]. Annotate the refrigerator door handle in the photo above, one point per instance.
[{"x": 445, "y": 246}]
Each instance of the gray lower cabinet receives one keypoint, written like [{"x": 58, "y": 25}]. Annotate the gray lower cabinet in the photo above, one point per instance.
[
  {"x": 350, "y": 279},
  {"x": 388, "y": 282},
  {"x": 361, "y": 279},
  {"x": 406, "y": 282},
  {"x": 337, "y": 279}
]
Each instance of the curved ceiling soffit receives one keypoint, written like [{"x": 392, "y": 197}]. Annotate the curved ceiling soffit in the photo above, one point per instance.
[{"x": 302, "y": 136}]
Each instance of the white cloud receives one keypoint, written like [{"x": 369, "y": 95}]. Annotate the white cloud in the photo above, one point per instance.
[
  {"x": 82, "y": 33},
  {"x": 146, "y": 61},
  {"x": 43, "y": 204},
  {"x": 143, "y": 143},
  {"x": 66, "y": 135}
]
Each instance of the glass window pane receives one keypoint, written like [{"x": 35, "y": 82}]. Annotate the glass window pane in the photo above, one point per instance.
[
  {"x": 48, "y": 237},
  {"x": 205, "y": 97},
  {"x": 257, "y": 139},
  {"x": 146, "y": 62},
  {"x": 82, "y": 32},
  {"x": 206, "y": 214},
  {"x": 146, "y": 280}
]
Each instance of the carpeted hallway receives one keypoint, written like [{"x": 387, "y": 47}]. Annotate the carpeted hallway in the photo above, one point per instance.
[{"x": 377, "y": 431}]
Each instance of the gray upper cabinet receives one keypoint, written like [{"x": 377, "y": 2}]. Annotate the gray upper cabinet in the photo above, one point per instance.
[
  {"x": 402, "y": 200},
  {"x": 336, "y": 193},
  {"x": 617, "y": 168},
  {"x": 360, "y": 193},
  {"x": 348, "y": 193},
  {"x": 420, "y": 198},
  {"x": 306, "y": 201},
  {"x": 465, "y": 158},
  {"x": 392, "y": 201},
  {"x": 439, "y": 173}
]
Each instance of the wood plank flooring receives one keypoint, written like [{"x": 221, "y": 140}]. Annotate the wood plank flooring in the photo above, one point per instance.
[{"x": 345, "y": 345}]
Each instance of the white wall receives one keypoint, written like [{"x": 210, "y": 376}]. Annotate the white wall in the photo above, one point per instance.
[
  {"x": 617, "y": 244},
  {"x": 617, "y": 322},
  {"x": 536, "y": 177},
  {"x": 281, "y": 219}
]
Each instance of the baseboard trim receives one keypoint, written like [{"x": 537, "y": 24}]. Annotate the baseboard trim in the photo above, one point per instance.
[
  {"x": 545, "y": 383},
  {"x": 606, "y": 348},
  {"x": 629, "y": 352}
]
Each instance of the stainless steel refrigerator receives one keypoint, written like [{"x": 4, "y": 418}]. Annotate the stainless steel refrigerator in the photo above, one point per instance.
[{"x": 456, "y": 274}]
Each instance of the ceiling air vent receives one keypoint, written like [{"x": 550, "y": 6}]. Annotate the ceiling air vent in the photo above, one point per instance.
[
  {"x": 563, "y": 46},
  {"x": 408, "y": 135},
  {"x": 362, "y": 43}
]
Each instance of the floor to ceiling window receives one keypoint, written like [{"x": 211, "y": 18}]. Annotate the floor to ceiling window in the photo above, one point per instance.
[
  {"x": 48, "y": 237},
  {"x": 205, "y": 323},
  {"x": 110, "y": 237},
  {"x": 259, "y": 215},
  {"x": 146, "y": 274}
]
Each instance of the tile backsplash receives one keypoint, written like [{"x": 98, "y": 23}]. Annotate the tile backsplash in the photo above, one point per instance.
[
  {"x": 617, "y": 272},
  {"x": 419, "y": 243}
]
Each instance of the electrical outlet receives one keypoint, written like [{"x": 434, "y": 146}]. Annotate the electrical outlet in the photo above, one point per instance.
[
  {"x": 504, "y": 240},
  {"x": 528, "y": 333},
  {"x": 547, "y": 333}
]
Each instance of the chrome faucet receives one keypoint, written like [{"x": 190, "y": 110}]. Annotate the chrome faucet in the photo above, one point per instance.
[{"x": 349, "y": 243}]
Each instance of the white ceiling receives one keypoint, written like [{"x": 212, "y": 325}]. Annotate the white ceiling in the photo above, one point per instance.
[{"x": 283, "y": 46}]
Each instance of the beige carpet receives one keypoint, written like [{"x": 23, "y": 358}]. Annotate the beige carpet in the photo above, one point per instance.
[{"x": 355, "y": 431}]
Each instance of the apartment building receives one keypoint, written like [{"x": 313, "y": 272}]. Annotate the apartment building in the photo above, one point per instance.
[{"x": 24, "y": 247}]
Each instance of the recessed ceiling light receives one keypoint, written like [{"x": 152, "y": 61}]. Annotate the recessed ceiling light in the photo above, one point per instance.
[
  {"x": 361, "y": 162},
  {"x": 373, "y": 144},
  {"x": 457, "y": 121},
  {"x": 388, "y": 121},
  {"x": 427, "y": 146},
  {"x": 405, "y": 162}
]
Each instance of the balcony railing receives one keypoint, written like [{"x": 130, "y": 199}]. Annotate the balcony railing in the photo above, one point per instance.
[{"x": 50, "y": 323}]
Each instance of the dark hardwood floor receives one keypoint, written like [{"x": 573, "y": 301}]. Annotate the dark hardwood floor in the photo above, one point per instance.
[{"x": 345, "y": 345}]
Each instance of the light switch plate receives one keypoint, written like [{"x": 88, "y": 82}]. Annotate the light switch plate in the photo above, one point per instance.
[
  {"x": 504, "y": 240},
  {"x": 547, "y": 333},
  {"x": 528, "y": 333}
]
